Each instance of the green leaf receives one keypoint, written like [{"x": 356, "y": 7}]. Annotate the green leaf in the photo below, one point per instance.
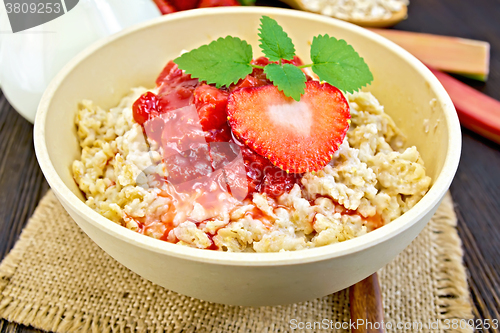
[
  {"x": 288, "y": 78},
  {"x": 275, "y": 42},
  {"x": 336, "y": 62},
  {"x": 223, "y": 61}
]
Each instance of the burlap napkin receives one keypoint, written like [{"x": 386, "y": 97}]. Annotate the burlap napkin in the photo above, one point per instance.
[{"x": 57, "y": 279}]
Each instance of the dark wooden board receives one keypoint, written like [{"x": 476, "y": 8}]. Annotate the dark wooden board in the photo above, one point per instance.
[{"x": 476, "y": 188}]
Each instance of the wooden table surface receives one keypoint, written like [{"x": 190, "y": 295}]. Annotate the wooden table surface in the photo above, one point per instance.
[{"x": 476, "y": 188}]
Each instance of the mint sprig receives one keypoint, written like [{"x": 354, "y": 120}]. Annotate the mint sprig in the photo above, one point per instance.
[{"x": 227, "y": 60}]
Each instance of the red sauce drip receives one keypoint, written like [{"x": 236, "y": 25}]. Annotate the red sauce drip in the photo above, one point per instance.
[
  {"x": 258, "y": 214},
  {"x": 165, "y": 238},
  {"x": 195, "y": 156},
  {"x": 188, "y": 119},
  {"x": 141, "y": 228},
  {"x": 373, "y": 222},
  {"x": 213, "y": 246},
  {"x": 176, "y": 88}
]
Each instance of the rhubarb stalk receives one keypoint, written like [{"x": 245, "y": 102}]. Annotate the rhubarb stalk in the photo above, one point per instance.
[{"x": 476, "y": 111}]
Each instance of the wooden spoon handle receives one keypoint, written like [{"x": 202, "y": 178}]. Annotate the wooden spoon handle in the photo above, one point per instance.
[{"x": 366, "y": 305}]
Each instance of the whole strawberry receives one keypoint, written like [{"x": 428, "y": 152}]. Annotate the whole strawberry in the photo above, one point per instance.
[
  {"x": 165, "y": 6},
  {"x": 217, "y": 3},
  {"x": 185, "y": 4}
]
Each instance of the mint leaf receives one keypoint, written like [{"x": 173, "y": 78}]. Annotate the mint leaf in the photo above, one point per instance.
[
  {"x": 336, "y": 62},
  {"x": 223, "y": 61},
  {"x": 288, "y": 78},
  {"x": 247, "y": 2},
  {"x": 275, "y": 42}
]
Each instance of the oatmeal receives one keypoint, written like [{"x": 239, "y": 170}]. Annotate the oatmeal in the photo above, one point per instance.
[
  {"x": 182, "y": 176},
  {"x": 356, "y": 9}
]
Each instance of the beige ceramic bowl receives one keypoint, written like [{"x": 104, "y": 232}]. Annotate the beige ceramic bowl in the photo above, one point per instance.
[{"x": 106, "y": 71}]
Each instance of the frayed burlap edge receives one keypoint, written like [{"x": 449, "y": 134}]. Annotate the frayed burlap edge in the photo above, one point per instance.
[{"x": 451, "y": 282}]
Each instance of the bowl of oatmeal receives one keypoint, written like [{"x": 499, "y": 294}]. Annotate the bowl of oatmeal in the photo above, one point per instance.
[{"x": 173, "y": 194}]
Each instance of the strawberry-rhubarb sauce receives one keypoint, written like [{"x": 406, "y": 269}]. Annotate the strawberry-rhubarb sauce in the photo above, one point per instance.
[{"x": 169, "y": 163}]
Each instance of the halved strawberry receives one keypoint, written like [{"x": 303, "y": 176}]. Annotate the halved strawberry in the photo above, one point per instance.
[{"x": 295, "y": 136}]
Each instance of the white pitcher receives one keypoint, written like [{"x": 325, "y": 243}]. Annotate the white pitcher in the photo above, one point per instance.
[{"x": 30, "y": 59}]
